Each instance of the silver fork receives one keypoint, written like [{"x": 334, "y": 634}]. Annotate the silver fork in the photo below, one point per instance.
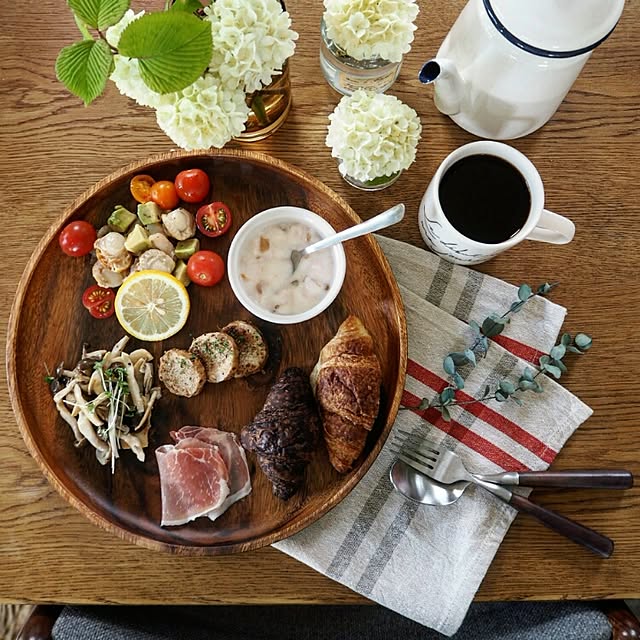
[{"x": 443, "y": 465}]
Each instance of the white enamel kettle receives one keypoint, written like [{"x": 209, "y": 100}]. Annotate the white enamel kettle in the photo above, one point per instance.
[{"x": 506, "y": 65}]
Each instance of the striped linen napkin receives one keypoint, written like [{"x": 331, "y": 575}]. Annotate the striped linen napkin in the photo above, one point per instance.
[{"x": 427, "y": 562}]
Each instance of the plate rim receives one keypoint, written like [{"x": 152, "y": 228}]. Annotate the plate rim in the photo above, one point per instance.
[{"x": 17, "y": 405}]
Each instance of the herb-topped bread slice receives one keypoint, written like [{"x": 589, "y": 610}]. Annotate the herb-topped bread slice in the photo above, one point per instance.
[
  {"x": 252, "y": 347},
  {"x": 219, "y": 354}
]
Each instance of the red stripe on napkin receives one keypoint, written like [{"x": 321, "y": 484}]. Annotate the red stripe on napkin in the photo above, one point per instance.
[
  {"x": 524, "y": 351},
  {"x": 485, "y": 413},
  {"x": 464, "y": 435}
]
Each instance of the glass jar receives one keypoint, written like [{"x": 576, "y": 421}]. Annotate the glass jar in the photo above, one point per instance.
[
  {"x": 375, "y": 184},
  {"x": 269, "y": 108},
  {"x": 346, "y": 74}
]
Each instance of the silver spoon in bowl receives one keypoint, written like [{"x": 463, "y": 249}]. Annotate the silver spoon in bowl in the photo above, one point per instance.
[{"x": 381, "y": 221}]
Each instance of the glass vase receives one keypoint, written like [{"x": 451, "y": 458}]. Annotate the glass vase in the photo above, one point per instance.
[
  {"x": 269, "y": 108},
  {"x": 346, "y": 74},
  {"x": 375, "y": 184}
]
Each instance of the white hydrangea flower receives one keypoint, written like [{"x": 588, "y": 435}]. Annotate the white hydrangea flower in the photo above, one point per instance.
[
  {"x": 373, "y": 135},
  {"x": 251, "y": 41},
  {"x": 205, "y": 114},
  {"x": 371, "y": 28}
]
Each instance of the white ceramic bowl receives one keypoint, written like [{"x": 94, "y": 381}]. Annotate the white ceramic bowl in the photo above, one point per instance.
[{"x": 253, "y": 227}]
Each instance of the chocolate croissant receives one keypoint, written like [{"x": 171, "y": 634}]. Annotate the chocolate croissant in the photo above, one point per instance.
[
  {"x": 285, "y": 432},
  {"x": 346, "y": 381}
]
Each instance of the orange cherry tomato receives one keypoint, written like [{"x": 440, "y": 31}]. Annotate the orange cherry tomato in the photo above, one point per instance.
[
  {"x": 140, "y": 188},
  {"x": 164, "y": 194}
]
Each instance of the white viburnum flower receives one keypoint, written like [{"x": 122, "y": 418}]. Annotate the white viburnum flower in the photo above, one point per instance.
[
  {"x": 371, "y": 28},
  {"x": 113, "y": 33},
  {"x": 205, "y": 114},
  {"x": 373, "y": 135},
  {"x": 252, "y": 40}
]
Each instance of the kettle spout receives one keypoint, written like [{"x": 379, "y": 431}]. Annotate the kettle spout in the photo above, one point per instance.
[{"x": 448, "y": 84}]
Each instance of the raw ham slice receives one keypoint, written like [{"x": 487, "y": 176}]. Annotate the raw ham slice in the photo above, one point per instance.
[
  {"x": 193, "y": 480},
  {"x": 233, "y": 455}
]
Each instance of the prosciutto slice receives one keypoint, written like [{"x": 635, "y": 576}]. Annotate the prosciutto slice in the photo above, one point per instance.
[
  {"x": 194, "y": 480},
  {"x": 234, "y": 458}
]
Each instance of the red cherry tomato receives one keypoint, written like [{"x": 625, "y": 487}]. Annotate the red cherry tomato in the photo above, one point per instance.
[
  {"x": 99, "y": 301},
  {"x": 205, "y": 268},
  {"x": 77, "y": 238},
  {"x": 164, "y": 194},
  {"x": 213, "y": 219},
  {"x": 140, "y": 188},
  {"x": 192, "y": 185}
]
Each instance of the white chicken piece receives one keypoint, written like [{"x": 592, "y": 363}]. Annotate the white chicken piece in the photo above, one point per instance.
[
  {"x": 105, "y": 277},
  {"x": 161, "y": 242},
  {"x": 179, "y": 223},
  {"x": 156, "y": 259},
  {"x": 111, "y": 251}
]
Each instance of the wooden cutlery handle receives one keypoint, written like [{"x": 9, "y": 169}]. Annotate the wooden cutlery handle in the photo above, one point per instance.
[
  {"x": 587, "y": 479},
  {"x": 571, "y": 529}
]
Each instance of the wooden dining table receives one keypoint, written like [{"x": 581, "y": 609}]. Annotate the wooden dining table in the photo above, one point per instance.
[{"x": 53, "y": 148}]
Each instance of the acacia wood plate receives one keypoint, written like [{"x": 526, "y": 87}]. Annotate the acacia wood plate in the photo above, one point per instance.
[{"x": 49, "y": 325}]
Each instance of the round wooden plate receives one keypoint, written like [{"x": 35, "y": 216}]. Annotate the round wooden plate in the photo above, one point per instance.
[{"x": 49, "y": 325}]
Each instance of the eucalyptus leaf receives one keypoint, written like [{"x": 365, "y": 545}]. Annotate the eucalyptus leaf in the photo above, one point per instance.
[
  {"x": 501, "y": 397},
  {"x": 553, "y": 370},
  {"x": 458, "y": 380},
  {"x": 99, "y": 14},
  {"x": 538, "y": 388},
  {"x": 448, "y": 365},
  {"x": 566, "y": 339},
  {"x": 424, "y": 404},
  {"x": 516, "y": 306},
  {"x": 84, "y": 67},
  {"x": 544, "y": 360},
  {"x": 447, "y": 395},
  {"x": 190, "y": 6},
  {"x": 446, "y": 416},
  {"x": 573, "y": 349},
  {"x": 484, "y": 343},
  {"x": 475, "y": 327},
  {"x": 471, "y": 357},
  {"x": 524, "y": 291},
  {"x": 583, "y": 341},
  {"x": 557, "y": 353},
  {"x": 487, "y": 389},
  {"x": 459, "y": 359},
  {"x": 526, "y": 385},
  {"x": 528, "y": 374},
  {"x": 491, "y": 328},
  {"x": 561, "y": 365},
  {"x": 507, "y": 387},
  {"x": 173, "y": 49}
]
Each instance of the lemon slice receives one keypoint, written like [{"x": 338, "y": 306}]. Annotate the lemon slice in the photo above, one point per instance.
[{"x": 152, "y": 305}]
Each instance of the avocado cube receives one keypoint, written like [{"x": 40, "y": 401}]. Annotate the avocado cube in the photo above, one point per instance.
[
  {"x": 149, "y": 213},
  {"x": 180, "y": 272},
  {"x": 186, "y": 248},
  {"x": 121, "y": 219},
  {"x": 138, "y": 240}
]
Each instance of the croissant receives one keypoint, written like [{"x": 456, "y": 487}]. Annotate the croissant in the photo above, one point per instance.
[
  {"x": 285, "y": 432},
  {"x": 346, "y": 382}
]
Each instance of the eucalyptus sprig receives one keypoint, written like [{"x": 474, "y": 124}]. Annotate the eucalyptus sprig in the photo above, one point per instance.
[
  {"x": 173, "y": 47},
  {"x": 550, "y": 364}
]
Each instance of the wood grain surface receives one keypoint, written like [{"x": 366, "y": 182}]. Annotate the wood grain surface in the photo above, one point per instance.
[
  {"x": 127, "y": 502},
  {"x": 588, "y": 155}
]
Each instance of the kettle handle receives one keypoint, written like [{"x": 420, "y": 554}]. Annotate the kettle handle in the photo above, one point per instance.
[{"x": 553, "y": 228}]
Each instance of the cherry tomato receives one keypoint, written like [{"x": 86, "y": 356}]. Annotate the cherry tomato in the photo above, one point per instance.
[
  {"x": 164, "y": 194},
  {"x": 192, "y": 185},
  {"x": 140, "y": 188},
  {"x": 99, "y": 301},
  {"x": 213, "y": 219},
  {"x": 205, "y": 268},
  {"x": 77, "y": 238}
]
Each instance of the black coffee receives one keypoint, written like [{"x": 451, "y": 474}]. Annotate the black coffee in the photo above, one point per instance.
[{"x": 485, "y": 198}]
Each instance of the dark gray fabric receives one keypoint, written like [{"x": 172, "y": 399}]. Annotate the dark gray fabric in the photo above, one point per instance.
[{"x": 485, "y": 621}]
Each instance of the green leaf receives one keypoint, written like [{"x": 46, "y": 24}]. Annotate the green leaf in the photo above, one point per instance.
[
  {"x": 566, "y": 339},
  {"x": 524, "y": 291},
  {"x": 526, "y": 385},
  {"x": 538, "y": 388},
  {"x": 99, "y": 14},
  {"x": 475, "y": 327},
  {"x": 189, "y": 6},
  {"x": 527, "y": 374},
  {"x": 583, "y": 341},
  {"x": 446, "y": 416},
  {"x": 500, "y": 397},
  {"x": 544, "y": 360},
  {"x": 487, "y": 389},
  {"x": 447, "y": 395},
  {"x": 84, "y": 67},
  {"x": 553, "y": 370},
  {"x": 458, "y": 380},
  {"x": 490, "y": 327},
  {"x": 507, "y": 387},
  {"x": 561, "y": 365},
  {"x": 459, "y": 358},
  {"x": 573, "y": 349},
  {"x": 516, "y": 306},
  {"x": 173, "y": 49},
  {"x": 470, "y": 356},
  {"x": 424, "y": 404},
  {"x": 484, "y": 343},
  {"x": 448, "y": 365},
  {"x": 557, "y": 353}
]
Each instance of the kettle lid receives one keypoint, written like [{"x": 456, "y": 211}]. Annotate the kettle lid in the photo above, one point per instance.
[{"x": 555, "y": 28}]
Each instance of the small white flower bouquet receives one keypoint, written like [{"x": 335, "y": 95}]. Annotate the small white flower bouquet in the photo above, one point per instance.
[
  {"x": 374, "y": 137},
  {"x": 194, "y": 64},
  {"x": 366, "y": 29}
]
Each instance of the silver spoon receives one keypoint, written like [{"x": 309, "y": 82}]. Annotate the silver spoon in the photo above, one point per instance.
[
  {"x": 382, "y": 220},
  {"x": 419, "y": 488}
]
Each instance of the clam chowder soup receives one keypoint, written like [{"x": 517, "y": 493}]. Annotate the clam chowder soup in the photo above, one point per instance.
[{"x": 267, "y": 273}]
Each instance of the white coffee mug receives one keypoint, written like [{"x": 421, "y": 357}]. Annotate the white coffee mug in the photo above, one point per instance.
[{"x": 447, "y": 242}]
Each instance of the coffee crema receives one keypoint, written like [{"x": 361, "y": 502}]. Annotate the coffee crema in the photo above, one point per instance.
[{"x": 485, "y": 198}]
